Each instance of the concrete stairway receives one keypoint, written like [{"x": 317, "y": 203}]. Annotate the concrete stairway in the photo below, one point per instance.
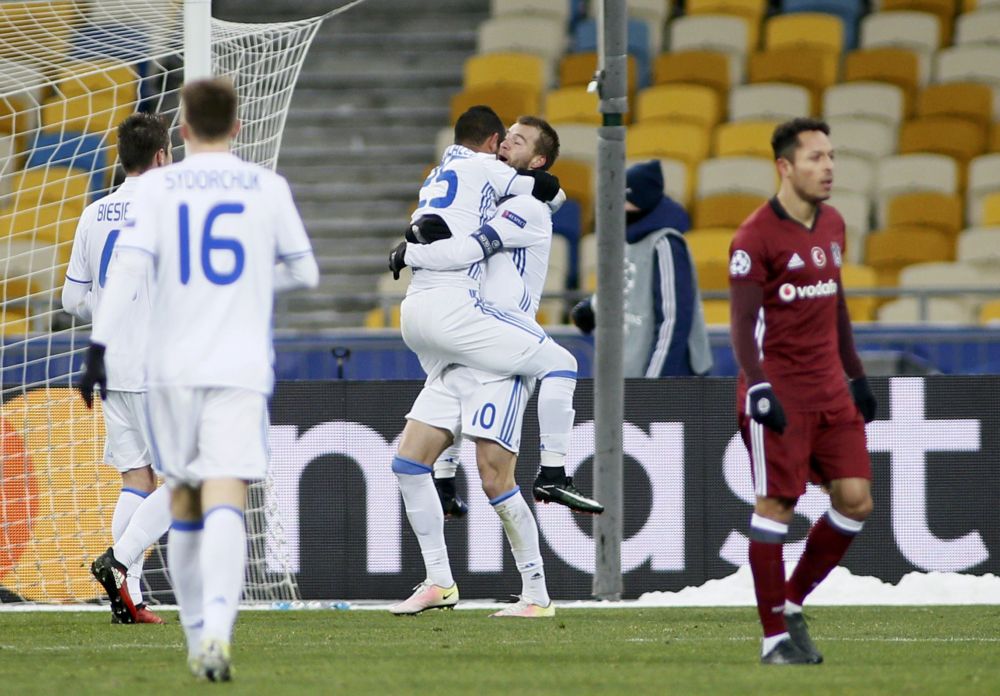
[{"x": 373, "y": 94}]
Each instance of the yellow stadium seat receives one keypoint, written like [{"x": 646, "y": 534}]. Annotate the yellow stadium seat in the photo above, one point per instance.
[
  {"x": 577, "y": 180},
  {"x": 708, "y": 68},
  {"x": 695, "y": 104},
  {"x": 814, "y": 69},
  {"x": 53, "y": 184},
  {"x": 713, "y": 276},
  {"x": 572, "y": 105},
  {"x": 857, "y": 277},
  {"x": 971, "y": 101},
  {"x": 86, "y": 113},
  {"x": 944, "y": 10},
  {"x": 102, "y": 78},
  {"x": 940, "y": 211},
  {"x": 954, "y": 137},
  {"x": 994, "y": 144},
  {"x": 752, "y": 10},
  {"x": 991, "y": 209},
  {"x": 681, "y": 141},
  {"x": 725, "y": 210},
  {"x": 809, "y": 30},
  {"x": 383, "y": 318},
  {"x": 989, "y": 313},
  {"x": 744, "y": 138},
  {"x": 522, "y": 69},
  {"x": 710, "y": 244},
  {"x": 890, "y": 250},
  {"x": 41, "y": 30},
  {"x": 14, "y": 322},
  {"x": 716, "y": 311},
  {"x": 577, "y": 70},
  {"x": 897, "y": 66},
  {"x": 509, "y": 101},
  {"x": 48, "y": 223}
]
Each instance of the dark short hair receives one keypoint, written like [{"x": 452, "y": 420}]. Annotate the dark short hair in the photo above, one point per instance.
[
  {"x": 209, "y": 107},
  {"x": 477, "y": 124},
  {"x": 140, "y": 137},
  {"x": 785, "y": 140},
  {"x": 548, "y": 140}
]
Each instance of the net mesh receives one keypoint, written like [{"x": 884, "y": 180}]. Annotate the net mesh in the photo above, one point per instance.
[{"x": 69, "y": 73}]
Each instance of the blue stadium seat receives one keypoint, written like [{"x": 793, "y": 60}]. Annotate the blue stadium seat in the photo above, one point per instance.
[
  {"x": 72, "y": 150},
  {"x": 585, "y": 39},
  {"x": 566, "y": 223},
  {"x": 849, "y": 11}
]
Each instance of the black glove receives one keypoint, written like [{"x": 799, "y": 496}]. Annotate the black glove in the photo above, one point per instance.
[
  {"x": 546, "y": 185},
  {"x": 763, "y": 406},
  {"x": 93, "y": 375},
  {"x": 861, "y": 391},
  {"x": 427, "y": 230},
  {"x": 583, "y": 316},
  {"x": 397, "y": 259}
]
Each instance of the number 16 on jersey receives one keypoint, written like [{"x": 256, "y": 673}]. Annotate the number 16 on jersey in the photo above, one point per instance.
[{"x": 208, "y": 243}]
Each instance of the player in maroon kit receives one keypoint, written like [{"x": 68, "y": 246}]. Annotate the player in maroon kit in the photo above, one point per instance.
[{"x": 800, "y": 418}]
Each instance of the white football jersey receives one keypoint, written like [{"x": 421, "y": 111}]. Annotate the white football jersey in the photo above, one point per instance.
[
  {"x": 515, "y": 245},
  {"x": 463, "y": 190},
  {"x": 101, "y": 226},
  {"x": 215, "y": 227}
]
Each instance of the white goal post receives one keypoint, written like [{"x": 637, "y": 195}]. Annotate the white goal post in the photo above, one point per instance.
[{"x": 70, "y": 71}]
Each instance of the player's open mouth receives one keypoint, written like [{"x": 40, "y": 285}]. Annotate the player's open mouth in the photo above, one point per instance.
[{"x": 501, "y": 157}]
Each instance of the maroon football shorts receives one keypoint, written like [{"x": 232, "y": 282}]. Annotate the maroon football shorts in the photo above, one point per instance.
[{"x": 816, "y": 447}]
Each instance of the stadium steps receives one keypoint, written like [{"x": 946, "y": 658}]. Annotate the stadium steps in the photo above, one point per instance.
[{"x": 373, "y": 93}]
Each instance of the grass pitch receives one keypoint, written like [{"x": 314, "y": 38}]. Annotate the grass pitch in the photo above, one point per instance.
[{"x": 868, "y": 650}]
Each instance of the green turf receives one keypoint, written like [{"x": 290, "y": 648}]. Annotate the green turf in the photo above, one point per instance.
[{"x": 870, "y": 650}]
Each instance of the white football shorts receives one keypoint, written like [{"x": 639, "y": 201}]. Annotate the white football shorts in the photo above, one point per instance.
[
  {"x": 201, "y": 433},
  {"x": 476, "y": 405},
  {"x": 445, "y": 326},
  {"x": 126, "y": 435}
]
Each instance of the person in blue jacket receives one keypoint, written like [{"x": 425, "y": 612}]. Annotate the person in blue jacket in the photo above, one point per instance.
[{"x": 665, "y": 332}]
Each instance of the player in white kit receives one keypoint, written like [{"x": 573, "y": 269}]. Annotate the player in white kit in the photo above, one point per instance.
[
  {"x": 489, "y": 409},
  {"x": 223, "y": 236},
  {"x": 142, "y": 512}
]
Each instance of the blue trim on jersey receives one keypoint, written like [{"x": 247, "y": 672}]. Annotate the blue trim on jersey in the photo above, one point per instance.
[
  {"x": 510, "y": 417},
  {"x": 520, "y": 257},
  {"x": 504, "y": 496},
  {"x": 136, "y": 491},
  {"x": 81, "y": 282},
  {"x": 488, "y": 239},
  {"x": 500, "y": 315},
  {"x": 568, "y": 374},
  {"x": 525, "y": 300},
  {"x": 402, "y": 465},
  {"x": 185, "y": 526},
  {"x": 294, "y": 255},
  {"x": 223, "y": 508},
  {"x": 487, "y": 203}
]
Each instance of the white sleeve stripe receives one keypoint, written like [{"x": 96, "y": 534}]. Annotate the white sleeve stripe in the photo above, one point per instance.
[{"x": 669, "y": 294}]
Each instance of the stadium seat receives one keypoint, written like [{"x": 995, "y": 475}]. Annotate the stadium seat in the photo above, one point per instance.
[
  {"x": 577, "y": 180},
  {"x": 41, "y": 26},
  {"x": 723, "y": 33},
  {"x": 545, "y": 36},
  {"x": 100, "y": 79},
  {"x": 890, "y": 250},
  {"x": 572, "y": 105},
  {"x": 805, "y": 30},
  {"x": 744, "y": 139},
  {"x": 639, "y": 44},
  {"x": 852, "y": 173},
  {"x": 982, "y": 27},
  {"x": 708, "y": 68},
  {"x": 752, "y": 10},
  {"x": 678, "y": 180},
  {"x": 509, "y": 101},
  {"x": 897, "y": 66},
  {"x": 994, "y": 143},
  {"x": 939, "y": 211},
  {"x": 578, "y": 141},
  {"x": 979, "y": 245},
  {"x": 753, "y": 175},
  {"x": 964, "y": 139},
  {"x": 444, "y": 138},
  {"x": 939, "y": 310},
  {"x": 682, "y": 141},
  {"x": 918, "y": 172},
  {"x": 970, "y": 101},
  {"x": 814, "y": 69},
  {"x": 716, "y": 311},
  {"x": 713, "y": 276},
  {"x": 847, "y": 10},
  {"x": 974, "y": 63},
  {"x": 858, "y": 277},
  {"x": 769, "y": 101},
  {"x": 527, "y": 70},
  {"x": 983, "y": 179},
  {"x": 916, "y": 31},
  {"x": 944, "y": 10},
  {"x": 577, "y": 70},
  {"x": 958, "y": 276},
  {"x": 855, "y": 208},
  {"x": 588, "y": 262},
  {"x": 725, "y": 210},
  {"x": 878, "y": 101},
  {"x": 559, "y": 11},
  {"x": 87, "y": 153},
  {"x": 84, "y": 113},
  {"x": 552, "y": 310},
  {"x": 991, "y": 209},
  {"x": 47, "y": 224},
  {"x": 710, "y": 244},
  {"x": 66, "y": 186},
  {"x": 679, "y": 103},
  {"x": 989, "y": 313}
]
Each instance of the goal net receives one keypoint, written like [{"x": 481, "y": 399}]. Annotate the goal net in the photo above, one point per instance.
[{"x": 69, "y": 73}]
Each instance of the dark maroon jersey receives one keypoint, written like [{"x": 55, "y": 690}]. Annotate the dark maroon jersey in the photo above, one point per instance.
[{"x": 799, "y": 271}]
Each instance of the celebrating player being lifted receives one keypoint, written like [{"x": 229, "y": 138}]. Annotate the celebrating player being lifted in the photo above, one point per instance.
[
  {"x": 792, "y": 338},
  {"x": 223, "y": 236},
  {"x": 142, "y": 513}
]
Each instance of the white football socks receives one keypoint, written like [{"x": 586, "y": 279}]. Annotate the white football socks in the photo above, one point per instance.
[
  {"x": 447, "y": 464},
  {"x": 555, "y": 414},
  {"x": 223, "y": 557},
  {"x": 129, "y": 500},
  {"x": 184, "y": 563},
  {"x": 148, "y": 523},
  {"x": 522, "y": 533},
  {"x": 423, "y": 510}
]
